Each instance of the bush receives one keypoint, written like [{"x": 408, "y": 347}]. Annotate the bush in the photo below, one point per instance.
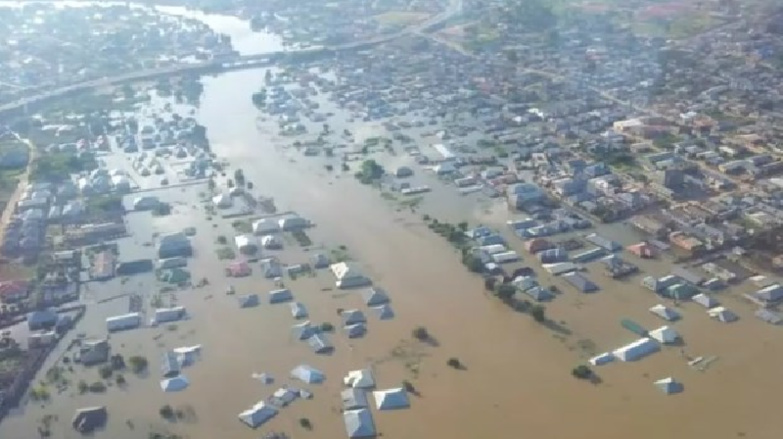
[
  {"x": 539, "y": 313},
  {"x": 327, "y": 327},
  {"x": 82, "y": 387},
  {"x": 305, "y": 423},
  {"x": 582, "y": 372},
  {"x": 97, "y": 387},
  {"x": 420, "y": 333},
  {"x": 408, "y": 386},
  {"x": 166, "y": 412},
  {"x": 222, "y": 240},
  {"x": 117, "y": 362},
  {"x": 138, "y": 363},
  {"x": 120, "y": 379},
  {"x": 454, "y": 363},
  {"x": 506, "y": 291},
  {"x": 105, "y": 372}
]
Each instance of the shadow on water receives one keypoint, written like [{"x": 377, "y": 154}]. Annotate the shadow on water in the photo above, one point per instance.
[{"x": 556, "y": 327}]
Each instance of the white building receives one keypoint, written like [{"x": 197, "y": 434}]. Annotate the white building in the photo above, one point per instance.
[
  {"x": 637, "y": 350},
  {"x": 123, "y": 322},
  {"x": 165, "y": 315}
]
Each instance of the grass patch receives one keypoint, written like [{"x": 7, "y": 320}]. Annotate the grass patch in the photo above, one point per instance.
[
  {"x": 225, "y": 253},
  {"x": 301, "y": 238}
]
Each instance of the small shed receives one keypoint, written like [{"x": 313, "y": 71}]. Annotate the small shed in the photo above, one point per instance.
[
  {"x": 280, "y": 296},
  {"x": 580, "y": 282}
]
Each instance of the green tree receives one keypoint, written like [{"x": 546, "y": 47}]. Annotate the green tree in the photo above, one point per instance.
[
  {"x": 539, "y": 313},
  {"x": 505, "y": 291},
  {"x": 138, "y": 363}
]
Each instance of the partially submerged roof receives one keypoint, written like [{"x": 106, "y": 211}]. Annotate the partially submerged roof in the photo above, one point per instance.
[
  {"x": 308, "y": 374},
  {"x": 89, "y": 419},
  {"x": 352, "y": 317},
  {"x": 355, "y": 331},
  {"x": 359, "y": 423},
  {"x": 354, "y": 399},
  {"x": 705, "y": 300},
  {"x": 665, "y": 312},
  {"x": 257, "y": 415},
  {"x": 175, "y": 384},
  {"x": 361, "y": 378},
  {"x": 248, "y": 300},
  {"x": 664, "y": 334},
  {"x": 384, "y": 312},
  {"x": 298, "y": 310},
  {"x": 391, "y": 399},
  {"x": 320, "y": 344},
  {"x": 722, "y": 314},
  {"x": 669, "y": 386},
  {"x": 279, "y": 296},
  {"x": 375, "y": 296},
  {"x": 304, "y": 330}
]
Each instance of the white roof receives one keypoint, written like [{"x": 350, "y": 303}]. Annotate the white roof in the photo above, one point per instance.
[
  {"x": 606, "y": 357},
  {"x": 359, "y": 423},
  {"x": 258, "y": 414},
  {"x": 308, "y": 374},
  {"x": 265, "y": 225},
  {"x": 222, "y": 200},
  {"x": 362, "y": 379},
  {"x": 705, "y": 300},
  {"x": 664, "y": 312},
  {"x": 669, "y": 385},
  {"x": 664, "y": 334},
  {"x": 722, "y": 314},
  {"x": 345, "y": 270},
  {"x": 391, "y": 399}
]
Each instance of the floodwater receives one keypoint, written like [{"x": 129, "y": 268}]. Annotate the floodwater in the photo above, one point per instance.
[{"x": 517, "y": 380}]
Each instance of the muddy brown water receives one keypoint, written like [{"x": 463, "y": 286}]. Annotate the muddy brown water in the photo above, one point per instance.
[{"x": 517, "y": 380}]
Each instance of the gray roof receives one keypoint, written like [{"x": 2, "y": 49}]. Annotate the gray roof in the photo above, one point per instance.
[
  {"x": 320, "y": 344},
  {"x": 375, "y": 296},
  {"x": 304, "y": 330},
  {"x": 258, "y": 414},
  {"x": 353, "y": 316},
  {"x": 581, "y": 282},
  {"x": 384, "y": 312},
  {"x": 354, "y": 399},
  {"x": 355, "y": 331},
  {"x": 248, "y": 301},
  {"x": 359, "y": 423},
  {"x": 279, "y": 296},
  {"x": 298, "y": 310},
  {"x": 308, "y": 374}
]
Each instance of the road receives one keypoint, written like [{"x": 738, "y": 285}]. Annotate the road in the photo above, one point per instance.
[
  {"x": 20, "y": 187},
  {"x": 454, "y": 8}
]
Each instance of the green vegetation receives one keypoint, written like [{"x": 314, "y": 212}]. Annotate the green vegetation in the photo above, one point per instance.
[
  {"x": 305, "y": 423},
  {"x": 326, "y": 327},
  {"x": 539, "y": 313},
  {"x": 420, "y": 333},
  {"x": 138, "y": 363},
  {"x": 105, "y": 372},
  {"x": 582, "y": 372},
  {"x": 302, "y": 238},
  {"x": 370, "y": 172},
  {"x": 58, "y": 166},
  {"x": 239, "y": 177},
  {"x": 105, "y": 203},
  {"x": 120, "y": 380},
  {"x": 97, "y": 387},
  {"x": 82, "y": 387},
  {"x": 40, "y": 393},
  {"x": 259, "y": 98},
  {"x": 225, "y": 253},
  {"x": 454, "y": 363},
  {"x": 167, "y": 412},
  {"x": 505, "y": 292},
  {"x": 242, "y": 226},
  {"x": 408, "y": 386}
]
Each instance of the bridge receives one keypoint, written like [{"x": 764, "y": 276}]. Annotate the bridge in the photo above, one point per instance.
[{"x": 237, "y": 62}]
